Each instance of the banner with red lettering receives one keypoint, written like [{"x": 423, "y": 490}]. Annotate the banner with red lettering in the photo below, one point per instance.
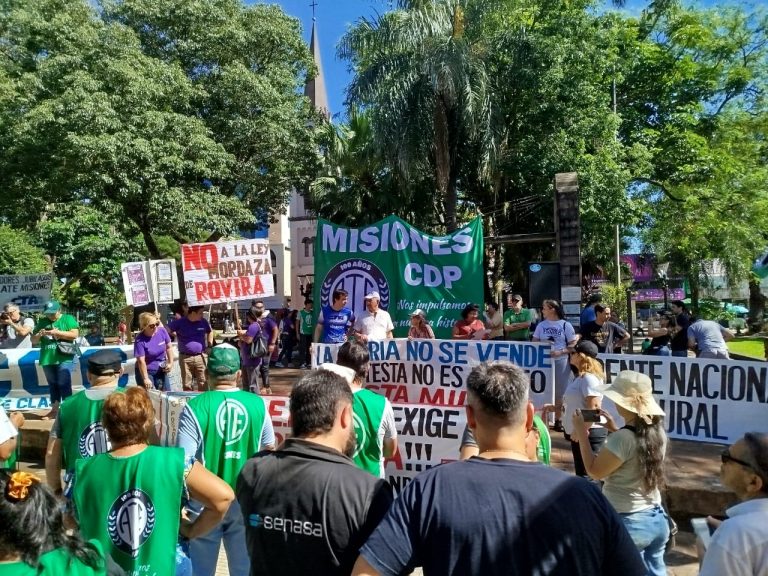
[{"x": 227, "y": 271}]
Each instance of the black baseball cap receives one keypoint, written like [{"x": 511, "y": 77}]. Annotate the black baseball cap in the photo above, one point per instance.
[
  {"x": 105, "y": 363},
  {"x": 587, "y": 348}
]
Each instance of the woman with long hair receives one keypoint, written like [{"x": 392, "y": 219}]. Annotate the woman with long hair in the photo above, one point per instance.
[
  {"x": 560, "y": 333},
  {"x": 632, "y": 464},
  {"x": 130, "y": 498},
  {"x": 584, "y": 393},
  {"x": 420, "y": 328},
  {"x": 33, "y": 538}
]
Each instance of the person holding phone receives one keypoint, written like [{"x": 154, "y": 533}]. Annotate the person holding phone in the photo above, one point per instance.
[
  {"x": 584, "y": 393},
  {"x": 631, "y": 464}
]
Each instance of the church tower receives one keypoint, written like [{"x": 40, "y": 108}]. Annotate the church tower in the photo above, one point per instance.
[{"x": 303, "y": 223}]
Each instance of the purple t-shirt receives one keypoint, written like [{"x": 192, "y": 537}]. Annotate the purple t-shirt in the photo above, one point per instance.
[
  {"x": 269, "y": 326},
  {"x": 191, "y": 336},
  {"x": 152, "y": 348},
  {"x": 253, "y": 331}
]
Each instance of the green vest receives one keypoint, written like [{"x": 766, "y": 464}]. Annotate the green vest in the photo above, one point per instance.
[
  {"x": 132, "y": 506},
  {"x": 57, "y": 562},
  {"x": 82, "y": 434},
  {"x": 368, "y": 410},
  {"x": 307, "y": 325},
  {"x": 231, "y": 424},
  {"x": 544, "y": 448}
]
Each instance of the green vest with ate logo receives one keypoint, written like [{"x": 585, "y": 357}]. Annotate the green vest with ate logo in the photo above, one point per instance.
[
  {"x": 368, "y": 411},
  {"x": 82, "y": 434},
  {"x": 132, "y": 506},
  {"x": 231, "y": 423}
]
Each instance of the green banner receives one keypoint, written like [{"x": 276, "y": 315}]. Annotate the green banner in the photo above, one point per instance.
[{"x": 408, "y": 268}]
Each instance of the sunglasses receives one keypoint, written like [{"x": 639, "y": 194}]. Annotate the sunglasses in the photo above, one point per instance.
[
  {"x": 725, "y": 457},
  {"x": 152, "y": 325}
]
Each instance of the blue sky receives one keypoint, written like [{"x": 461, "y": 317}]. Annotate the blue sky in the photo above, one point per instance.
[{"x": 335, "y": 16}]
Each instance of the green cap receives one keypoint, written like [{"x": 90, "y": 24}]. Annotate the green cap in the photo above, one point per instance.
[
  {"x": 52, "y": 307},
  {"x": 223, "y": 360}
]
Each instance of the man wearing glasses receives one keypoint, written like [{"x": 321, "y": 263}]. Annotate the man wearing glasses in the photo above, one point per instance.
[
  {"x": 518, "y": 320},
  {"x": 739, "y": 546},
  {"x": 194, "y": 336}
]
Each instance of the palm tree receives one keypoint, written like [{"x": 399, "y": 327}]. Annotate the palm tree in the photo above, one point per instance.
[{"x": 425, "y": 84}]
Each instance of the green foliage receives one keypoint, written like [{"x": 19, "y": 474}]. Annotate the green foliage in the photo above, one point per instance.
[
  {"x": 18, "y": 253},
  {"x": 86, "y": 251}
]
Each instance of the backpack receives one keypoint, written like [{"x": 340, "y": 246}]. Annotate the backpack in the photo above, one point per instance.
[{"x": 259, "y": 346}]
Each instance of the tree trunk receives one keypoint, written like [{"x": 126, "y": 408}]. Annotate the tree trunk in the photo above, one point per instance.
[
  {"x": 443, "y": 164},
  {"x": 154, "y": 249}
]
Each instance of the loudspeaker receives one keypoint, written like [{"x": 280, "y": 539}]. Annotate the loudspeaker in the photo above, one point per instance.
[{"x": 543, "y": 283}]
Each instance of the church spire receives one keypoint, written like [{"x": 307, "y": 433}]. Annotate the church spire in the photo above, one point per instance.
[{"x": 315, "y": 87}]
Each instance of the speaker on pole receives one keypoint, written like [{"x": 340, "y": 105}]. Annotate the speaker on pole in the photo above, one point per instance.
[{"x": 543, "y": 282}]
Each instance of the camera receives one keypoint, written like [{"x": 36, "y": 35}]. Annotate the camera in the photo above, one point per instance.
[
  {"x": 5, "y": 316},
  {"x": 591, "y": 415}
]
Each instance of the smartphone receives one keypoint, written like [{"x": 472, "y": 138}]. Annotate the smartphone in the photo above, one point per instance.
[{"x": 591, "y": 415}]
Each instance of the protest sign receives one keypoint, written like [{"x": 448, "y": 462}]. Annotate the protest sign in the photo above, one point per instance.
[
  {"x": 435, "y": 371},
  {"x": 706, "y": 400},
  {"x": 217, "y": 272},
  {"x": 408, "y": 268},
  {"x": 153, "y": 281},
  {"x": 136, "y": 283},
  {"x": 29, "y": 292}
]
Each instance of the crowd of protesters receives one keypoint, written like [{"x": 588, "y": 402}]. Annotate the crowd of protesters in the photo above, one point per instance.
[{"x": 319, "y": 502}]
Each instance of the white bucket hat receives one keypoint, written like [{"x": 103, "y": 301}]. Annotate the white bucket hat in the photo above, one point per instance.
[{"x": 633, "y": 391}]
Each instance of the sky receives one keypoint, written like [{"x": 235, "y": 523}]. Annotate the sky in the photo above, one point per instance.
[{"x": 335, "y": 16}]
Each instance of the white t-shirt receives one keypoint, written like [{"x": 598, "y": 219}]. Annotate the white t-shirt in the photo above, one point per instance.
[
  {"x": 558, "y": 332},
  {"x": 7, "y": 429},
  {"x": 575, "y": 396},
  {"x": 624, "y": 487},
  {"x": 374, "y": 326}
]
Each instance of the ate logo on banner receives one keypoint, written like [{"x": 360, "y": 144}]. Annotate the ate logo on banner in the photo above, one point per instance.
[
  {"x": 358, "y": 277},
  {"x": 231, "y": 421},
  {"x": 131, "y": 521}
]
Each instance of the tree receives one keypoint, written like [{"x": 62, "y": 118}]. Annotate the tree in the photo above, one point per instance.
[
  {"x": 86, "y": 252},
  {"x": 423, "y": 78},
  {"x": 18, "y": 253}
]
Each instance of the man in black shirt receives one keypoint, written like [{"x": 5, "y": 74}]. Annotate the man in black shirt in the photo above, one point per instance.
[
  {"x": 307, "y": 508},
  {"x": 606, "y": 335},
  {"x": 498, "y": 513}
]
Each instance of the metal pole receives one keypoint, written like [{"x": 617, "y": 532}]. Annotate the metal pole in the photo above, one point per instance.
[{"x": 630, "y": 321}]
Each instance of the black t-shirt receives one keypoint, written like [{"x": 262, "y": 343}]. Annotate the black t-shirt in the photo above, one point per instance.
[
  {"x": 502, "y": 517},
  {"x": 679, "y": 341},
  {"x": 307, "y": 510},
  {"x": 604, "y": 335}
]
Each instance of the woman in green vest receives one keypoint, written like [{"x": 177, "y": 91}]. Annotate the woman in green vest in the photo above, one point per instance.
[
  {"x": 33, "y": 539},
  {"x": 130, "y": 498}
]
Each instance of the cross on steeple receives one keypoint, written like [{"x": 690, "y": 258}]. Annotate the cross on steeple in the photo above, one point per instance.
[{"x": 313, "y": 6}]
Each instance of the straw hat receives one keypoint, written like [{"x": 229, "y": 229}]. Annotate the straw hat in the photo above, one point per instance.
[{"x": 633, "y": 391}]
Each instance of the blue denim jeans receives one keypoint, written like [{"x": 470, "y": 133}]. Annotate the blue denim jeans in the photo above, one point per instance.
[
  {"x": 204, "y": 551},
  {"x": 160, "y": 380},
  {"x": 680, "y": 353},
  {"x": 649, "y": 531},
  {"x": 59, "y": 377}
]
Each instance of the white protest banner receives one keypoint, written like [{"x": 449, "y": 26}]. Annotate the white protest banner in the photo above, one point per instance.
[
  {"x": 435, "y": 371},
  {"x": 29, "y": 292},
  {"x": 426, "y": 436},
  {"x": 217, "y": 272},
  {"x": 136, "y": 283},
  {"x": 704, "y": 399},
  {"x": 23, "y": 385}
]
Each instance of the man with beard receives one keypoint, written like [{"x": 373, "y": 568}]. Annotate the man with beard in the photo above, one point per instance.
[{"x": 307, "y": 507}]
